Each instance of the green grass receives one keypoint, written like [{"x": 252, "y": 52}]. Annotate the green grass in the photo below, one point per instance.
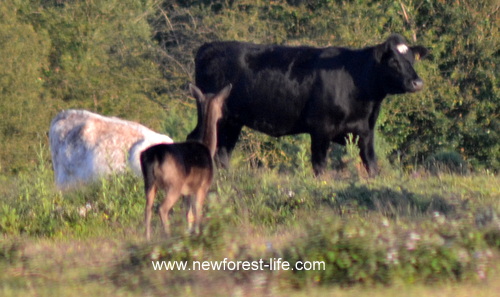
[{"x": 426, "y": 234}]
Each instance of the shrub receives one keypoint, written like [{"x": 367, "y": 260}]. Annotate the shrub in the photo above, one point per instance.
[
  {"x": 363, "y": 253},
  {"x": 10, "y": 251},
  {"x": 447, "y": 162}
]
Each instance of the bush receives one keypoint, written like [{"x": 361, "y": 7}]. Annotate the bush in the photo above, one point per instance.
[
  {"x": 10, "y": 251},
  {"x": 364, "y": 253},
  {"x": 447, "y": 162}
]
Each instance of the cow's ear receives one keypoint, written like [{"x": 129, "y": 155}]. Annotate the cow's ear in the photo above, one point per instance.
[
  {"x": 381, "y": 51},
  {"x": 419, "y": 51}
]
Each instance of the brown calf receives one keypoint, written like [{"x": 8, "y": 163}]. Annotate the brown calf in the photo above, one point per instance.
[{"x": 184, "y": 168}]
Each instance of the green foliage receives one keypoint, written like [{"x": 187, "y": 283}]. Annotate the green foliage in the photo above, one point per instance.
[
  {"x": 492, "y": 238},
  {"x": 9, "y": 251},
  {"x": 349, "y": 255},
  {"x": 459, "y": 109},
  {"x": 9, "y": 219},
  {"x": 23, "y": 56},
  {"x": 77, "y": 54},
  {"x": 352, "y": 155},
  {"x": 364, "y": 253},
  {"x": 185, "y": 248},
  {"x": 450, "y": 162},
  {"x": 37, "y": 208}
]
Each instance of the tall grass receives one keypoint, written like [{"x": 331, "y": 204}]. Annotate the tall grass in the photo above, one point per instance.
[
  {"x": 36, "y": 207},
  {"x": 400, "y": 227}
]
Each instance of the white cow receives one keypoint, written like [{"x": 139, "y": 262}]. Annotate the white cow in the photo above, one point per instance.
[{"x": 86, "y": 146}]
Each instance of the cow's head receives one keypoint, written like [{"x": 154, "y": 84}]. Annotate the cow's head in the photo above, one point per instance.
[{"x": 395, "y": 62}]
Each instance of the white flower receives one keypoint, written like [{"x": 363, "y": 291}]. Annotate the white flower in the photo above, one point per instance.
[{"x": 392, "y": 256}]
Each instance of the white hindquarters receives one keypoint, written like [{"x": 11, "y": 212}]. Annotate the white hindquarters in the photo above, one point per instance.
[{"x": 85, "y": 146}]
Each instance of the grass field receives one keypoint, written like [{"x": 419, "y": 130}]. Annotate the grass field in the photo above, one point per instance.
[
  {"x": 76, "y": 267},
  {"x": 400, "y": 234}
]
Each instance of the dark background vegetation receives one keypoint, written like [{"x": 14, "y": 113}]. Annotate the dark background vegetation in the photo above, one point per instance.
[{"x": 134, "y": 59}]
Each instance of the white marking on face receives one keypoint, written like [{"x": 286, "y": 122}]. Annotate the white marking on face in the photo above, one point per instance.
[{"x": 402, "y": 48}]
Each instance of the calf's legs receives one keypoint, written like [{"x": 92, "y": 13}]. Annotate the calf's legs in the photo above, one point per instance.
[
  {"x": 150, "y": 198},
  {"x": 171, "y": 198}
]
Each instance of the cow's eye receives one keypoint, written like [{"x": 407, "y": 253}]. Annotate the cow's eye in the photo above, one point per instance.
[{"x": 394, "y": 64}]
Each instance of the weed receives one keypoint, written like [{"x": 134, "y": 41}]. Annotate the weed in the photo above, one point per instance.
[{"x": 10, "y": 251}]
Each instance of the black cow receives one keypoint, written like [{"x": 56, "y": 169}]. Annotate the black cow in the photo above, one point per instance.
[{"x": 326, "y": 92}]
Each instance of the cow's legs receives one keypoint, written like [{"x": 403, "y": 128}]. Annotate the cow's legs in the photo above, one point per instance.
[
  {"x": 319, "y": 149},
  {"x": 367, "y": 153},
  {"x": 227, "y": 134}
]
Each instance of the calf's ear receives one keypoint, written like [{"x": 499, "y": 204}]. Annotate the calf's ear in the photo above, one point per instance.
[
  {"x": 419, "y": 51},
  {"x": 197, "y": 94},
  {"x": 224, "y": 93}
]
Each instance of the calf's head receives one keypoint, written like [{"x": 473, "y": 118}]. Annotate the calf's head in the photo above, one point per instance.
[{"x": 395, "y": 60}]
